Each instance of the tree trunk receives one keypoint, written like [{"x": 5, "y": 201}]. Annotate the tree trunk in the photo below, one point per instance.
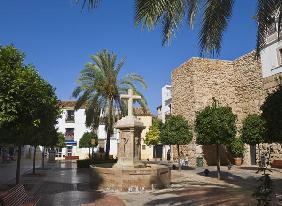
[
  {"x": 33, "y": 164},
  {"x": 109, "y": 130},
  {"x": 43, "y": 157},
  {"x": 18, "y": 171},
  {"x": 89, "y": 153},
  {"x": 178, "y": 152},
  {"x": 218, "y": 161}
]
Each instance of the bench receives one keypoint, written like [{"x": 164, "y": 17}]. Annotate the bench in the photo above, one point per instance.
[
  {"x": 276, "y": 164},
  {"x": 16, "y": 196}
]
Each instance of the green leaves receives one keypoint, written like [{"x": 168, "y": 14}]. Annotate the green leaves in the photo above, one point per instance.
[
  {"x": 153, "y": 135},
  {"x": 28, "y": 105},
  {"x": 85, "y": 141},
  {"x": 253, "y": 130},
  {"x": 272, "y": 113},
  {"x": 176, "y": 131},
  {"x": 237, "y": 147},
  {"x": 215, "y": 125}
]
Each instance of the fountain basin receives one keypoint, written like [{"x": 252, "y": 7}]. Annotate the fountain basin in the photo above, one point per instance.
[{"x": 103, "y": 176}]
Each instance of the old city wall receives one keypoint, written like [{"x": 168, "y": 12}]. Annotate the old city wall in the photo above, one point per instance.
[{"x": 237, "y": 84}]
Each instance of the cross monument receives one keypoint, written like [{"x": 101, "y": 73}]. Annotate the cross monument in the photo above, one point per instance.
[
  {"x": 130, "y": 128},
  {"x": 130, "y": 98}
]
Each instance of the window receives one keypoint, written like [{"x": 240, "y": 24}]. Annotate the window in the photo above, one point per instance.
[
  {"x": 69, "y": 134},
  {"x": 70, "y": 116},
  {"x": 58, "y": 152},
  {"x": 69, "y": 151},
  {"x": 143, "y": 147}
]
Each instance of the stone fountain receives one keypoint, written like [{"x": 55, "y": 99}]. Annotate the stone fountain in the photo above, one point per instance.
[{"x": 129, "y": 173}]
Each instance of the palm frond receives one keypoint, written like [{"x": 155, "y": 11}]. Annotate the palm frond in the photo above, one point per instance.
[
  {"x": 192, "y": 11},
  {"x": 266, "y": 17},
  {"x": 82, "y": 100},
  {"x": 216, "y": 16},
  {"x": 133, "y": 78},
  {"x": 90, "y": 3}
]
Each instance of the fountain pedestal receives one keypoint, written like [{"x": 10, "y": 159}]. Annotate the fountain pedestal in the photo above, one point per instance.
[
  {"x": 129, "y": 173},
  {"x": 129, "y": 148}
]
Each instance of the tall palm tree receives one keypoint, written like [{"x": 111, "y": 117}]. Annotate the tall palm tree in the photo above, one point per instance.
[
  {"x": 99, "y": 91},
  {"x": 215, "y": 18}
]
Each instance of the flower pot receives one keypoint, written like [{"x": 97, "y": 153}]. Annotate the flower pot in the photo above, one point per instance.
[{"x": 238, "y": 161}]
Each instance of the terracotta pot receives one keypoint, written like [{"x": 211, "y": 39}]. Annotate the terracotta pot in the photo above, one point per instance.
[{"x": 238, "y": 161}]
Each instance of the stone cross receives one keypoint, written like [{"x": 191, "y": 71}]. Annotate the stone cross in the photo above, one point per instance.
[{"x": 130, "y": 98}]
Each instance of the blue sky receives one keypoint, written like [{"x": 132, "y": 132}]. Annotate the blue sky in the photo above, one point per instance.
[{"x": 58, "y": 38}]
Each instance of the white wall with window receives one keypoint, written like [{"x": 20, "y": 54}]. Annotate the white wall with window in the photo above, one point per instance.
[
  {"x": 72, "y": 125},
  {"x": 271, "y": 54}
]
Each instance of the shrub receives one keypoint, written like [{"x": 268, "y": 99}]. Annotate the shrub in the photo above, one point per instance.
[{"x": 237, "y": 147}]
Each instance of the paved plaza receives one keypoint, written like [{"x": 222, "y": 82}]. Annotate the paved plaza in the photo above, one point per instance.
[
  {"x": 8, "y": 170},
  {"x": 63, "y": 184}
]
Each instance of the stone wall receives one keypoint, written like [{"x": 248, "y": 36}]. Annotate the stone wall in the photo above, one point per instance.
[{"x": 237, "y": 84}]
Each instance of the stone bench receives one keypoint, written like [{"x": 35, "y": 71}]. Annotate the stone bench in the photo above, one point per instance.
[{"x": 276, "y": 164}]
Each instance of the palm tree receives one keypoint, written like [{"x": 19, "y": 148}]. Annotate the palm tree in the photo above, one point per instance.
[
  {"x": 99, "y": 91},
  {"x": 216, "y": 15}
]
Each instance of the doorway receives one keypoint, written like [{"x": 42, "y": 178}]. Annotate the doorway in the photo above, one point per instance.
[{"x": 253, "y": 154}]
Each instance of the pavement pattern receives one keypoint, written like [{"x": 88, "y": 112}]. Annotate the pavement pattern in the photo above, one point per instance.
[{"x": 63, "y": 184}]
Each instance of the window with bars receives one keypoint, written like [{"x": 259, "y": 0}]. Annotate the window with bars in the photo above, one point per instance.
[{"x": 70, "y": 116}]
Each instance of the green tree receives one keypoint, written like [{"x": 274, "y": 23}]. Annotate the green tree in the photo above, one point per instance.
[
  {"x": 99, "y": 90},
  {"x": 22, "y": 99},
  {"x": 253, "y": 130},
  {"x": 176, "y": 131},
  {"x": 61, "y": 140},
  {"x": 215, "y": 18},
  {"x": 272, "y": 113},
  {"x": 215, "y": 125},
  {"x": 85, "y": 141},
  {"x": 237, "y": 147}
]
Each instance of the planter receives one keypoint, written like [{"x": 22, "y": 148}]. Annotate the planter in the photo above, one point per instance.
[{"x": 238, "y": 161}]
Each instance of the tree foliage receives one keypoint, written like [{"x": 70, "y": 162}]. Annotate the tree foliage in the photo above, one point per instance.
[
  {"x": 29, "y": 107},
  {"x": 176, "y": 131},
  {"x": 215, "y": 15},
  {"x": 61, "y": 140},
  {"x": 253, "y": 130},
  {"x": 85, "y": 141},
  {"x": 272, "y": 113},
  {"x": 99, "y": 90},
  {"x": 152, "y": 136},
  {"x": 215, "y": 125},
  {"x": 237, "y": 147}
]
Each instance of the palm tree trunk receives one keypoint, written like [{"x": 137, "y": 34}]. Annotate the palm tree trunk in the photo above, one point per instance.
[
  {"x": 18, "y": 170},
  {"x": 109, "y": 130},
  {"x": 218, "y": 161},
  {"x": 178, "y": 152},
  {"x": 33, "y": 164}
]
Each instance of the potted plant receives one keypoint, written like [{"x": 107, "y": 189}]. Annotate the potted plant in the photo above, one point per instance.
[{"x": 237, "y": 149}]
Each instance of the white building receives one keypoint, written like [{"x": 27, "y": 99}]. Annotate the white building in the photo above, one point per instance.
[
  {"x": 72, "y": 125},
  {"x": 271, "y": 54},
  {"x": 166, "y": 102}
]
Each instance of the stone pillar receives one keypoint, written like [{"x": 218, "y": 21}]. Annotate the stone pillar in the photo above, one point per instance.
[{"x": 129, "y": 148}]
